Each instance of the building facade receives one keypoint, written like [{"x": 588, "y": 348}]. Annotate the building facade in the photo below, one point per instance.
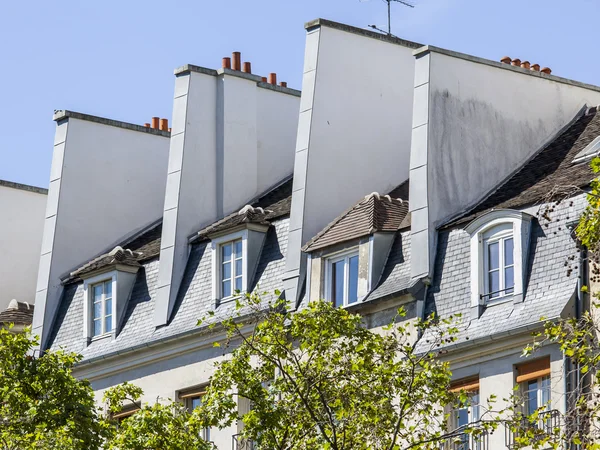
[{"x": 401, "y": 175}]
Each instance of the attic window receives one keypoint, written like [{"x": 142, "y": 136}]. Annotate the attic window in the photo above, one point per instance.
[
  {"x": 591, "y": 150},
  {"x": 342, "y": 279}
]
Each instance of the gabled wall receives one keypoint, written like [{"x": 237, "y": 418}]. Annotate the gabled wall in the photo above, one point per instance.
[
  {"x": 21, "y": 228},
  {"x": 474, "y": 123},
  {"x": 232, "y": 138},
  {"x": 107, "y": 180},
  {"x": 354, "y": 129}
]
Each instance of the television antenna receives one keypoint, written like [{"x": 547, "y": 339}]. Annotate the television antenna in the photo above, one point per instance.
[{"x": 389, "y": 12}]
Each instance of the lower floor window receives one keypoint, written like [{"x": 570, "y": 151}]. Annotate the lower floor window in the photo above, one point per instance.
[
  {"x": 191, "y": 404},
  {"x": 537, "y": 395}
]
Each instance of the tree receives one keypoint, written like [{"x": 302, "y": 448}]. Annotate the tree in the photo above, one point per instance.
[
  {"x": 41, "y": 404},
  {"x": 159, "y": 426},
  {"x": 319, "y": 379}
]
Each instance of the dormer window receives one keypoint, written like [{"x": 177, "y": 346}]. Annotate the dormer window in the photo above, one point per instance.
[
  {"x": 499, "y": 253},
  {"x": 232, "y": 268},
  {"x": 342, "y": 279},
  {"x": 499, "y": 262},
  {"x": 102, "y": 309}
]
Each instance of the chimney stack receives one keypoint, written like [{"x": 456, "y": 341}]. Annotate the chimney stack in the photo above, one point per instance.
[
  {"x": 273, "y": 78},
  {"x": 164, "y": 124},
  {"x": 236, "y": 61},
  {"x": 226, "y": 63},
  {"x": 247, "y": 67},
  {"x": 155, "y": 122}
]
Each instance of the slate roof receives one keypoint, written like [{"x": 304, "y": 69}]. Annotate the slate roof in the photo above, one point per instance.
[
  {"x": 552, "y": 166},
  {"x": 549, "y": 288},
  {"x": 374, "y": 213},
  {"x": 274, "y": 204},
  {"x": 132, "y": 251},
  {"x": 18, "y": 313}
]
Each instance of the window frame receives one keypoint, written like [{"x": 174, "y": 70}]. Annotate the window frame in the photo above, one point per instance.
[
  {"x": 524, "y": 389},
  {"x": 330, "y": 260},
  {"x": 187, "y": 396},
  {"x": 217, "y": 264},
  {"x": 499, "y": 237},
  {"x": 88, "y": 292}
]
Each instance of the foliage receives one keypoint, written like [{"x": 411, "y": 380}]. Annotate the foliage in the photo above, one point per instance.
[
  {"x": 42, "y": 405},
  {"x": 158, "y": 426},
  {"x": 319, "y": 379}
]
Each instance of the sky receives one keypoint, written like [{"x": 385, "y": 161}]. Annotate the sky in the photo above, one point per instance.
[{"x": 115, "y": 59}]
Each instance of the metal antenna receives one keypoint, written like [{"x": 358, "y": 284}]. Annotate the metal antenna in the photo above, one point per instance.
[{"x": 389, "y": 10}]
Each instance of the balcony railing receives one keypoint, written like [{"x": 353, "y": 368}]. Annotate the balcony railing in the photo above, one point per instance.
[
  {"x": 239, "y": 443},
  {"x": 544, "y": 426},
  {"x": 460, "y": 440}
]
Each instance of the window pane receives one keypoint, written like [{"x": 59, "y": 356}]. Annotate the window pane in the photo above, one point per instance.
[
  {"x": 108, "y": 307},
  {"x": 226, "y": 252},
  {"x": 97, "y": 310},
  {"x": 97, "y": 327},
  {"x": 508, "y": 252},
  {"x": 238, "y": 267},
  {"x": 238, "y": 249},
  {"x": 462, "y": 417},
  {"x": 196, "y": 402},
  {"x": 238, "y": 283},
  {"x": 337, "y": 283},
  {"x": 509, "y": 279},
  {"x": 545, "y": 387},
  {"x": 532, "y": 396},
  {"x": 226, "y": 288},
  {"x": 98, "y": 292},
  {"x": 226, "y": 271},
  {"x": 108, "y": 324},
  {"x": 493, "y": 256},
  {"x": 494, "y": 283},
  {"x": 353, "y": 280}
]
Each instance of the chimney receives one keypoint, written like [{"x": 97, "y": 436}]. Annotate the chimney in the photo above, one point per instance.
[
  {"x": 155, "y": 122},
  {"x": 147, "y": 125},
  {"x": 546, "y": 70},
  {"x": 164, "y": 124},
  {"x": 516, "y": 62},
  {"x": 506, "y": 60},
  {"x": 264, "y": 79},
  {"x": 525, "y": 65},
  {"x": 236, "y": 61},
  {"x": 535, "y": 67},
  {"x": 226, "y": 63},
  {"x": 283, "y": 84},
  {"x": 247, "y": 67},
  {"x": 273, "y": 78}
]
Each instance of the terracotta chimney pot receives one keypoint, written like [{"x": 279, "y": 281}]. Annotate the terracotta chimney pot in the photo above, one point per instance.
[
  {"x": 236, "y": 61},
  {"x": 506, "y": 60},
  {"x": 283, "y": 84},
  {"x": 164, "y": 124},
  {"x": 546, "y": 70},
  {"x": 147, "y": 125},
  {"x": 516, "y": 62},
  {"x": 273, "y": 78},
  {"x": 264, "y": 79},
  {"x": 535, "y": 67},
  {"x": 247, "y": 67},
  {"x": 226, "y": 63},
  {"x": 169, "y": 130},
  {"x": 155, "y": 122},
  {"x": 525, "y": 65}
]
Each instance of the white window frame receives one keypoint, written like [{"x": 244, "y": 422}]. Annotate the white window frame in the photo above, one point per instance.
[
  {"x": 472, "y": 408},
  {"x": 330, "y": 260},
  {"x": 540, "y": 397},
  {"x": 520, "y": 222},
  {"x": 88, "y": 305},
  {"x": 498, "y": 237},
  {"x": 217, "y": 244}
]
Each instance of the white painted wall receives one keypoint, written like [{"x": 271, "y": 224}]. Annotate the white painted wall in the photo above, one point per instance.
[
  {"x": 354, "y": 130},
  {"x": 232, "y": 139},
  {"x": 21, "y": 228},
  {"x": 106, "y": 182},
  {"x": 475, "y": 122}
]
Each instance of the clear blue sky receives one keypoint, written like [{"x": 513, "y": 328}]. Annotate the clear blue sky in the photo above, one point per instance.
[{"x": 116, "y": 58}]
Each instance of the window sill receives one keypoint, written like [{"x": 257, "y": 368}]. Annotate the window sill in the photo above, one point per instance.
[
  {"x": 102, "y": 337},
  {"x": 500, "y": 300},
  {"x": 230, "y": 299}
]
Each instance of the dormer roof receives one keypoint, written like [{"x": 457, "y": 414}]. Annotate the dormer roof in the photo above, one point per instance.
[{"x": 375, "y": 213}]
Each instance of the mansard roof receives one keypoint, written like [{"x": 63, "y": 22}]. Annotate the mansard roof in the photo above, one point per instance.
[
  {"x": 374, "y": 213},
  {"x": 549, "y": 171},
  {"x": 18, "y": 313}
]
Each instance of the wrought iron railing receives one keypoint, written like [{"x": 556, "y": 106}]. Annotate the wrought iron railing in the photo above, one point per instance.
[
  {"x": 239, "y": 443},
  {"x": 545, "y": 425},
  {"x": 476, "y": 439}
]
